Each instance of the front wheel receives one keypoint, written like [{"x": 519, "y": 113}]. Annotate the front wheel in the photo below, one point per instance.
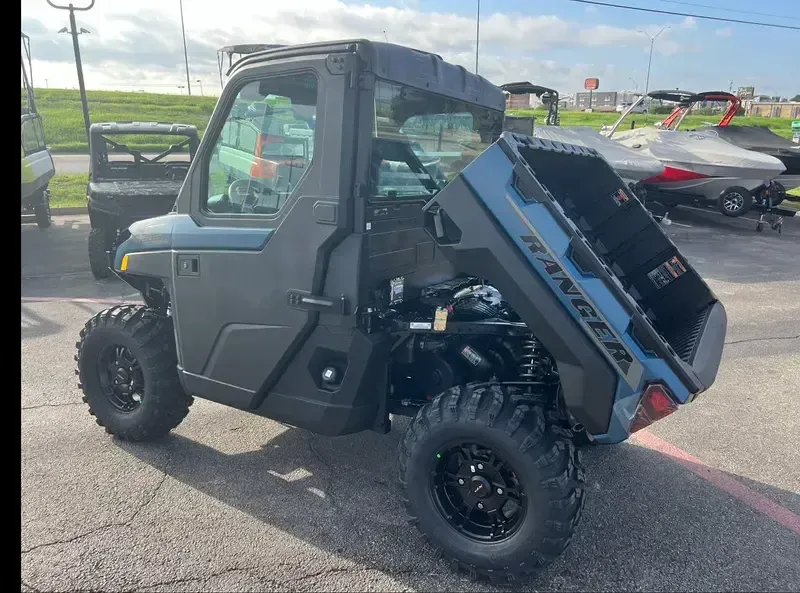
[
  {"x": 101, "y": 239},
  {"x": 41, "y": 210},
  {"x": 128, "y": 373},
  {"x": 735, "y": 201},
  {"x": 490, "y": 484}
]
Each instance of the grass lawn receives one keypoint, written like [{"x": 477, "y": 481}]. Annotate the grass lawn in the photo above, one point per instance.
[
  {"x": 68, "y": 190},
  {"x": 63, "y": 117},
  {"x": 780, "y": 125}
]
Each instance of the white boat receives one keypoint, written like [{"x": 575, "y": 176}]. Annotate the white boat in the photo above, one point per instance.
[
  {"x": 631, "y": 165},
  {"x": 698, "y": 166}
]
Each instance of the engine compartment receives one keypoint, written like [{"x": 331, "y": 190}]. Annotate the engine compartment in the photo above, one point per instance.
[{"x": 458, "y": 332}]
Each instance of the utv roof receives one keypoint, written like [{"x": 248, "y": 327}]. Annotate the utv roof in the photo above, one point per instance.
[
  {"x": 143, "y": 127},
  {"x": 523, "y": 88},
  {"x": 675, "y": 95},
  {"x": 248, "y": 48},
  {"x": 396, "y": 63}
]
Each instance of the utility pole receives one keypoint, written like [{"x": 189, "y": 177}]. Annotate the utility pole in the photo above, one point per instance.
[
  {"x": 650, "y": 59},
  {"x": 185, "y": 53},
  {"x": 76, "y": 48},
  {"x": 477, "y": 35}
]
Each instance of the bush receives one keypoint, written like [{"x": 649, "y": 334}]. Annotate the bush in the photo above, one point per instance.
[{"x": 661, "y": 110}]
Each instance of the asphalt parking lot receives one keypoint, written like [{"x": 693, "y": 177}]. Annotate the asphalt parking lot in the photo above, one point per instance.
[{"x": 706, "y": 500}]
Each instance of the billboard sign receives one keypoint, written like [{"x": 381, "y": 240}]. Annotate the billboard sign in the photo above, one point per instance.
[
  {"x": 591, "y": 84},
  {"x": 746, "y": 93}
]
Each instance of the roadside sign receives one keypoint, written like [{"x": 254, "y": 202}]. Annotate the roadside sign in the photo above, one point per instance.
[
  {"x": 591, "y": 84},
  {"x": 746, "y": 93}
]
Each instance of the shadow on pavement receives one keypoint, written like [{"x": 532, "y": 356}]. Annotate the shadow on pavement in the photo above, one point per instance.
[
  {"x": 649, "y": 523},
  {"x": 35, "y": 326}
]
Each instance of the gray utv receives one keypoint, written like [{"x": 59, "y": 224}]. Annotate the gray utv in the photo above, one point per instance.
[{"x": 358, "y": 239}]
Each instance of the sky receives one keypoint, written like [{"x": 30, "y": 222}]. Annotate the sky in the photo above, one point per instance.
[{"x": 555, "y": 43}]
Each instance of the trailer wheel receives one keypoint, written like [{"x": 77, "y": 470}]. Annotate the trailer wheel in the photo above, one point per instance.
[
  {"x": 735, "y": 201},
  {"x": 41, "y": 210},
  {"x": 491, "y": 485},
  {"x": 100, "y": 240},
  {"x": 128, "y": 372}
]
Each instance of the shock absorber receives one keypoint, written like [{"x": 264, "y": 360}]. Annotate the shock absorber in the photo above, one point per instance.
[{"x": 534, "y": 363}]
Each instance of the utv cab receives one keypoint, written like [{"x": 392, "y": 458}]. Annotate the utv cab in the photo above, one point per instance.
[
  {"x": 37, "y": 162},
  {"x": 125, "y": 185},
  {"x": 516, "y": 305}
]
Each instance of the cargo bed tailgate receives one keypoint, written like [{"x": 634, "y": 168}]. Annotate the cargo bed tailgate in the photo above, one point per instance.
[{"x": 561, "y": 215}]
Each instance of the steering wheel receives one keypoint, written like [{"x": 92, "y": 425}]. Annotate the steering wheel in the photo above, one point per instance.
[{"x": 245, "y": 194}]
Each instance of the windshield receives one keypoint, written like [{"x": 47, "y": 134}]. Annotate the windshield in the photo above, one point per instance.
[{"x": 423, "y": 140}]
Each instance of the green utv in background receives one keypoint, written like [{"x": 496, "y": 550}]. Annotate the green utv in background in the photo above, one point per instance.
[{"x": 37, "y": 163}]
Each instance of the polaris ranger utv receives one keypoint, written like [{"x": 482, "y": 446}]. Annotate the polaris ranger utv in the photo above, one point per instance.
[
  {"x": 126, "y": 186},
  {"x": 514, "y": 303},
  {"x": 37, "y": 162}
]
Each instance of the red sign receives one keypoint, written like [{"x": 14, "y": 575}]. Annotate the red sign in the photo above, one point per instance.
[{"x": 591, "y": 84}]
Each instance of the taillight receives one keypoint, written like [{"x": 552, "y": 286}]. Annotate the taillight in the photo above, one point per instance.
[{"x": 655, "y": 404}]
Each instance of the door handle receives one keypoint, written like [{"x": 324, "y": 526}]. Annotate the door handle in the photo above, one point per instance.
[
  {"x": 188, "y": 265},
  {"x": 298, "y": 299}
]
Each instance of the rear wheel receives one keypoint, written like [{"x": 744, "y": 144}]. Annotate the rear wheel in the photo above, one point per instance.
[
  {"x": 735, "y": 201},
  {"x": 128, "y": 373},
  {"x": 490, "y": 484},
  {"x": 41, "y": 210},
  {"x": 101, "y": 239}
]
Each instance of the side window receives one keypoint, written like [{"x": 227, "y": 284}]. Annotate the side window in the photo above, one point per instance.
[
  {"x": 265, "y": 147},
  {"x": 32, "y": 135}
]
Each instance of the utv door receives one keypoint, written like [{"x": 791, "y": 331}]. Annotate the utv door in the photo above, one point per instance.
[{"x": 265, "y": 194}]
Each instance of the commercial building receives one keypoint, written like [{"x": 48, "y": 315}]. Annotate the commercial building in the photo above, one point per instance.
[
  {"x": 601, "y": 100},
  {"x": 770, "y": 109}
]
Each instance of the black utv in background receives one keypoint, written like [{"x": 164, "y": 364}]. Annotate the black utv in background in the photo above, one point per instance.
[{"x": 126, "y": 186}]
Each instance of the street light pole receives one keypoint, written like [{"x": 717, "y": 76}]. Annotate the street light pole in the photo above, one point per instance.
[
  {"x": 185, "y": 54},
  {"x": 477, "y": 35},
  {"x": 76, "y": 48},
  {"x": 635, "y": 84},
  {"x": 650, "y": 59},
  {"x": 200, "y": 82}
]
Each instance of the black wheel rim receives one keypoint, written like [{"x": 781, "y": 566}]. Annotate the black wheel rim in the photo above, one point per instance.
[
  {"x": 477, "y": 492},
  {"x": 121, "y": 378}
]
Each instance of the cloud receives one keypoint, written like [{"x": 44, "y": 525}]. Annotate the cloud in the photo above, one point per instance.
[
  {"x": 590, "y": 9},
  {"x": 688, "y": 23},
  {"x": 144, "y": 48},
  {"x": 724, "y": 32}
]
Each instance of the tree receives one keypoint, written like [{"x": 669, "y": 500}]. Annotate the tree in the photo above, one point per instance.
[{"x": 796, "y": 97}]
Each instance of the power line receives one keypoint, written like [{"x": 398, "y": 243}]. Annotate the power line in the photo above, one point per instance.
[
  {"x": 777, "y": 16},
  {"x": 696, "y": 16}
]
